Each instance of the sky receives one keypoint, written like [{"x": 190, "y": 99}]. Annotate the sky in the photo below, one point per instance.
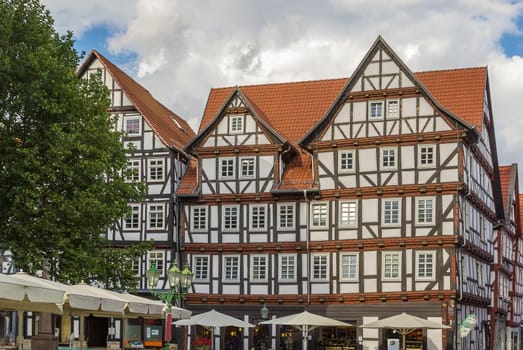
[{"x": 179, "y": 49}]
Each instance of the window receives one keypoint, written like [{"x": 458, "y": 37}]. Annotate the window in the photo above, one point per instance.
[
  {"x": 132, "y": 219},
  {"x": 257, "y": 217},
  {"x": 393, "y": 109},
  {"x": 230, "y": 218},
  {"x": 247, "y": 167},
  {"x": 426, "y": 156},
  {"x": 201, "y": 267},
  {"x": 424, "y": 265},
  {"x": 227, "y": 167},
  {"x": 320, "y": 267},
  {"x": 156, "y": 170},
  {"x": 348, "y": 212},
  {"x": 156, "y": 216},
  {"x": 286, "y": 216},
  {"x": 133, "y": 170},
  {"x": 346, "y": 161},
  {"x": 376, "y": 110},
  {"x": 349, "y": 267},
  {"x": 135, "y": 266},
  {"x": 391, "y": 266},
  {"x": 199, "y": 219},
  {"x": 231, "y": 268},
  {"x": 319, "y": 215},
  {"x": 258, "y": 267},
  {"x": 236, "y": 124},
  {"x": 132, "y": 125},
  {"x": 425, "y": 210},
  {"x": 156, "y": 258},
  {"x": 391, "y": 211},
  {"x": 388, "y": 158},
  {"x": 287, "y": 267}
]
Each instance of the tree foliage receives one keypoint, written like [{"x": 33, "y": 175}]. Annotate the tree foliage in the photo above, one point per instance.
[{"x": 61, "y": 167}]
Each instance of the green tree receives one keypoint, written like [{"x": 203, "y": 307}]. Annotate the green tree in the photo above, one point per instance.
[{"x": 62, "y": 169}]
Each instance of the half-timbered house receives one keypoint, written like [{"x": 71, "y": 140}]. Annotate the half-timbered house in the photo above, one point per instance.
[
  {"x": 505, "y": 311},
  {"x": 155, "y": 137},
  {"x": 356, "y": 198}
]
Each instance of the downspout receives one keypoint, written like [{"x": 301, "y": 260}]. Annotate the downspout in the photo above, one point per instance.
[{"x": 307, "y": 228}]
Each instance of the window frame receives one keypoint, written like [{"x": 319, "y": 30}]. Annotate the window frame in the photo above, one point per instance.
[
  {"x": 356, "y": 267},
  {"x": 229, "y": 167},
  {"x": 288, "y": 205},
  {"x": 253, "y": 215},
  {"x": 384, "y": 157},
  {"x": 283, "y": 278},
  {"x": 197, "y": 267},
  {"x": 132, "y": 165},
  {"x": 425, "y": 165},
  {"x": 161, "y": 267},
  {"x": 376, "y": 116},
  {"x": 227, "y": 216},
  {"x": 323, "y": 265},
  {"x": 199, "y": 208},
  {"x": 225, "y": 268},
  {"x": 158, "y": 169},
  {"x": 341, "y": 161},
  {"x": 253, "y": 265},
  {"x": 432, "y": 210},
  {"x": 234, "y": 126},
  {"x": 130, "y": 118},
  {"x": 341, "y": 213},
  {"x": 396, "y": 113},
  {"x": 251, "y": 168},
  {"x": 384, "y": 266},
  {"x": 323, "y": 215},
  {"x": 149, "y": 217},
  {"x": 418, "y": 264},
  {"x": 138, "y": 214},
  {"x": 384, "y": 212}
]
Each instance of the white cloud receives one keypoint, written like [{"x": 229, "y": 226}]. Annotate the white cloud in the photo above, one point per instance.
[{"x": 185, "y": 47}]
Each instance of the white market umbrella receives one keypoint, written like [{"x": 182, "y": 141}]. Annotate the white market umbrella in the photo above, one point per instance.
[
  {"x": 404, "y": 324},
  {"x": 23, "y": 292},
  {"x": 212, "y": 319},
  {"x": 306, "y": 322}
]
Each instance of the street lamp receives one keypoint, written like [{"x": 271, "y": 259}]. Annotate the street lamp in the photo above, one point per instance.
[
  {"x": 179, "y": 283},
  {"x": 264, "y": 314}
]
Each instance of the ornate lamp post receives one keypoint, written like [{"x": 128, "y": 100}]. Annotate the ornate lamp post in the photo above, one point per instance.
[
  {"x": 264, "y": 314},
  {"x": 179, "y": 284}
]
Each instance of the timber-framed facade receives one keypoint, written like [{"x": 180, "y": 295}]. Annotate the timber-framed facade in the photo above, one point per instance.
[{"x": 354, "y": 198}]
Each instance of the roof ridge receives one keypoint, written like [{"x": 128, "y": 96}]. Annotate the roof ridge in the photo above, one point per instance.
[{"x": 280, "y": 83}]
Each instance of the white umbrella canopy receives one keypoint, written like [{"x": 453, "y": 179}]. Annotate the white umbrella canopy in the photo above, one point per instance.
[
  {"x": 24, "y": 292},
  {"x": 213, "y": 318},
  {"x": 306, "y": 322},
  {"x": 404, "y": 323},
  {"x": 180, "y": 313}
]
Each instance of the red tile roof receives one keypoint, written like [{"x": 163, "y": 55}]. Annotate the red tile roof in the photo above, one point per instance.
[
  {"x": 298, "y": 174},
  {"x": 174, "y": 131},
  {"x": 461, "y": 91},
  {"x": 293, "y": 108},
  {"x": 504, "y": 178},
  {"x": 188, "y": 184}
]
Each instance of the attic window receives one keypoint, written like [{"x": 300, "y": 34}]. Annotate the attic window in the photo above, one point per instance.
[
  {"x": 376, "y": 110},
  {"x": 132, "y": 125},
  {"x": 236, "y": 124}
]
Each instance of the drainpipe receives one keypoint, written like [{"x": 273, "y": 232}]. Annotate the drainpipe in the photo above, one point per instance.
[{"x": 307, "y": 218}]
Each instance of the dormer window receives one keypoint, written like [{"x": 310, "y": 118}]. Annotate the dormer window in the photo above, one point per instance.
[{"x": 236, "y": 124}]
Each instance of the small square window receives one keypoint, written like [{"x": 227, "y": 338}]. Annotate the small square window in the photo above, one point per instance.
[
  {"x": 346, "y": 161},
  {"x": 391, "y": 266},
  {"x": 236, "y": 124},
  {"x": 426, "y": 156},
  {"x": 388, "y": 158},
  {"x": 132, "y": 126},
  {"x": 247, "y": 167},
  {"x": 376, "y": 110},
  {"x": 227, "y": 167},
  {"x": 393, "y": 109},
  {"x": 156, "y": 170}
]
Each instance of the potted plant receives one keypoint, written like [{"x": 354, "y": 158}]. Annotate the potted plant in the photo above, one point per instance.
[{"x": 202, "y": 343}]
